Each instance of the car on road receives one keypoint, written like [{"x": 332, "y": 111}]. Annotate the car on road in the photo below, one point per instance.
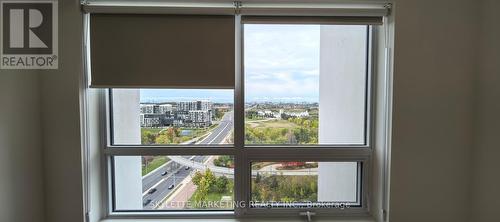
[
  {"x": 152, "y": 191},
  {"x": 187, "y": 168},
  {"x": 171, "y": 187},
  {"x": 146, "y": 202},
  {"x": 164, "y": 173}
]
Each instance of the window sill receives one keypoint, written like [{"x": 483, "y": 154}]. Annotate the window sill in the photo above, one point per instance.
[{"x": 336, "y": 219}]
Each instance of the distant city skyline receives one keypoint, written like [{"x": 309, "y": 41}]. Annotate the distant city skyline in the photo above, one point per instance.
[
  {"x": 281, "y": 65},
  {"x": 213, "y": 95}
]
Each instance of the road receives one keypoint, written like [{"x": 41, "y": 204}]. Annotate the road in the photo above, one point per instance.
[
  {"x": 221, "y": 131},
  {"x": 177, "y": 172}
]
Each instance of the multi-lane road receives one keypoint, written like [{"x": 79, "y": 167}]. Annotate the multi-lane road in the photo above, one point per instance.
[
  {"x": 221, "y": 131},
  {"x": 172, "y": 173}
]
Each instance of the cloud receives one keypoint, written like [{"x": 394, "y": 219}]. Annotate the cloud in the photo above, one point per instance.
[{"x": 282, "y": 62}]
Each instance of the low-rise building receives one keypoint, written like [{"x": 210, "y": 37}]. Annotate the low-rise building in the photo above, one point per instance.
[{"x": 185, "y": 114}]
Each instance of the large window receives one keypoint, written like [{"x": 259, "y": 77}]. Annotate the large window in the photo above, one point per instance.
[
  {"x": 305, "y": 91},
  {"x": 291, "y": 135},
  {"x": 305, "y": 84}
]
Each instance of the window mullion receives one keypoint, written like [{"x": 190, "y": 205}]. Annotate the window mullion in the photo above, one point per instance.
[
  {"x": 274, "y": 153},
  {"x": 241, "y": 174},
  {"x": 166, "y": 151}
]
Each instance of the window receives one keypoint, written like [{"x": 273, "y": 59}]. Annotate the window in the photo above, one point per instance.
[
  {"x": 305, "y": 84},
  {"x": 286, "y": 105},
  {"x": 291, "y": 131},
  {"x": 191, "y": 182},
  {"x": 302, "y": 184},
  {"x": 172, "y": 116}
]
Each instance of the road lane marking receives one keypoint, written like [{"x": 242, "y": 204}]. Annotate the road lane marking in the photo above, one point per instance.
[
  {"x": 219, "y": 133},
  {"x": 159, "y": 182}
]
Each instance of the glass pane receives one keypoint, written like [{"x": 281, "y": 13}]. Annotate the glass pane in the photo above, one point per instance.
[
  {"x": 305, "y": 84},
  {"x": 172, "y": 116},
  {"x": 304, "y": 184},
  {"x": 173, "y": 182}
]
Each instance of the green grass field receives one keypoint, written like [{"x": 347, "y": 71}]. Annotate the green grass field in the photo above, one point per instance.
[
  {"x": 212, "y": 197},
  {"x": 155, "y": 163},
  {"x": 151, "y": 130}
]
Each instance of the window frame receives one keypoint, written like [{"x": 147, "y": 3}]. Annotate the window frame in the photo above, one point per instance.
[{"x": 246, "y": 154}]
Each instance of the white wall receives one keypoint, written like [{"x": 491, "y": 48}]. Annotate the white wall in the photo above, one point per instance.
[
  {"x": 434, "y": 89},
  {"x": 60, "y": 109},
  {"x": 434, "y": 69},
  {"x": 486, "y": 175},
  {"x": 21, "y": 169}
]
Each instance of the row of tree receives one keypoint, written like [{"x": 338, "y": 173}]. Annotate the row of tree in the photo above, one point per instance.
[
  {"x": 305, "y": 132},
  {"x": 169, "y": 135},
  {"x": 280, "y": 188},
  {"x": 207, "y": 183},
  {"x": 224, "y": 161}
]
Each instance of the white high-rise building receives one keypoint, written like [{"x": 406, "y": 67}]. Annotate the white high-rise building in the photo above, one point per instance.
[
  {"x": 195, "y": 105},
  {"x": 204, "y": 105},
  {"x": 342, "y": 72},
  {"x": 200, "y": 117},
  {"x": 187, "y": 106},
  {"x": 147, "y": 108},
  {"x": 127, "y": 130},
  {"x": 164, "y": 108}
]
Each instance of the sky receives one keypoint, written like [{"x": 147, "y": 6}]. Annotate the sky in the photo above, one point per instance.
[{"x": 281, "y": 65}]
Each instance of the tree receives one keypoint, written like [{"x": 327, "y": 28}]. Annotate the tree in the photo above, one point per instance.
[
  {"x": 273, "y": 182},
  {"x": 224, "y": 161},
  {"x": 220, "y": 185},
  {"x": 148, "y": 137},
  {"x": 202, "y": 191},
  {"x": 285, "y": 116},
  {"x": 210, "y": 177},
  {"x": 219, "y": 113},
  {"x": 218, "y": 162},
  {"x": 163, "y": 139},
  {"x": 197, "y": 177},
  {"x": 168, "y": 136},
  {"x": 258, "y": 178}
]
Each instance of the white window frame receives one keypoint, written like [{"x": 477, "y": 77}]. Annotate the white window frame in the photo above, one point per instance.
[{"x": 244, "y": 156}]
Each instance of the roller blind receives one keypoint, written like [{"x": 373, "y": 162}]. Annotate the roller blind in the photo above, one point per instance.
[
  {"x": 243, "y": 7},
  {"x": 335, "y": 14},
  {"x": 311, "y": 9},
  {"x": 320, "y": 20},
  {"x": 174, "y": 51}
]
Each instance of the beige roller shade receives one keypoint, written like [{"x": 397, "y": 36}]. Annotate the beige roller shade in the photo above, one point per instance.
[
  {"x": 307, "y": 8},
  {"x": 174, "y": 51},
  {"x": 320, "y": 20}
]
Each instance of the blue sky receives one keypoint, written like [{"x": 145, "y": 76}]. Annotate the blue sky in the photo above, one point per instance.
[{"x": 281, "y": 65}]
